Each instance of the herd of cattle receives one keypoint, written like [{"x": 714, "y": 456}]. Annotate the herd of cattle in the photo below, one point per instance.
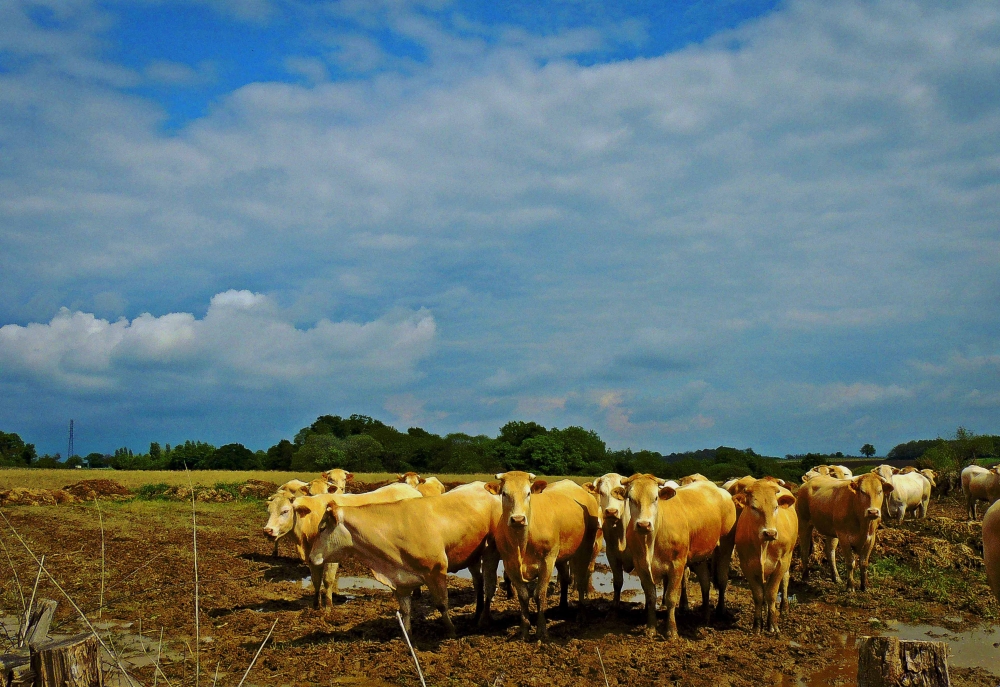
[{"x": 412, "y": 533}]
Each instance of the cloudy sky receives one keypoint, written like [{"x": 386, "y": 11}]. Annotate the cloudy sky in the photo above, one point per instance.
[{"x": 722, "y": 222}]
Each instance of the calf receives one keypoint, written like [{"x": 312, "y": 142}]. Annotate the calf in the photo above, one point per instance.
[
  {"x": 766, "y": 533},
  {"x": 538, "y": 531},
  {"x": 299, "y": 518},
  {"x": 414, "y": 542},
  {"x": 428, "y": 486},
  {"x": 991, "y": 547},
  {"x": 980, "y": 484},
  {"x": 338, "y": 478},
  {"x": 843, "y": 511},
  {"x": 671, "y": 528}
]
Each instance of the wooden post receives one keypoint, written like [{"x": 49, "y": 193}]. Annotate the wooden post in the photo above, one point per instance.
[
  {"x": 15, "y": 671},
  {"x": 73, "y": 662},
  {"x": 39, "y": 622},
  {"x": 894, "y": 662}
]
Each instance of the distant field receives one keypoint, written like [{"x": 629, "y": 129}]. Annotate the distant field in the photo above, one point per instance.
[{"x": 55, "y": 479}]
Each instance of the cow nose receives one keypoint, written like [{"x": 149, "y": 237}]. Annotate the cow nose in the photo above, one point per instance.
[
  {"x": 644, "y": 525},
  {"x": 770, "y": 533},
  {"x": 873, "y": 512},
  {"x": 517, "y": 520},
  {"x": 611, "y": 512},
  {"x": 268, "y": 532}
]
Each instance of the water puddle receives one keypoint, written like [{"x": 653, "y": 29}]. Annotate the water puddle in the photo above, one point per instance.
[
  {"x": 978, "y": 648},
  {"x": 841, "y": 670}
]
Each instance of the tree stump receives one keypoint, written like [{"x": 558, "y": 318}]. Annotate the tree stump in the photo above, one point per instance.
[
  {"x": 894, "y": 662},
  {"x": 38, "y": 624},
  {"x": 73, "y": 662}
]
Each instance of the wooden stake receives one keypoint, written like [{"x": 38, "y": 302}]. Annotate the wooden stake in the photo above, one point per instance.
[{"x": 894, "y": 662}]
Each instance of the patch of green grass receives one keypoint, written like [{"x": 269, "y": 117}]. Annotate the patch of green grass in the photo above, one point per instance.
[{"x": 151, "y": 492}]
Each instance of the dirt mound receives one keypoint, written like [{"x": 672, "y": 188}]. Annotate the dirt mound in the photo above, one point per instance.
[
  {"x": 200, "y": 494},
  {"x": 256, "y": 489},
  {"x": 357, "y": 487},
  {"x": 922, "y": 552},
  {"x": 22, "y": 496},
  {"x": 89, "y": 489}
]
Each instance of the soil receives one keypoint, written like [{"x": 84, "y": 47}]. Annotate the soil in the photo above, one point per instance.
[{"x": 243, "y": 590}]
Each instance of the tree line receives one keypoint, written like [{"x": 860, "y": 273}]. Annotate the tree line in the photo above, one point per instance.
[{"x": 363, "y": 444}]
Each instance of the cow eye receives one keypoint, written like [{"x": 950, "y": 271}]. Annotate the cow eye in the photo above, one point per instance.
[{"x": 285, "y": 511}]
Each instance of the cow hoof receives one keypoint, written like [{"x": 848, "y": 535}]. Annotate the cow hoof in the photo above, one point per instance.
[{"x": 650, "y": 632}]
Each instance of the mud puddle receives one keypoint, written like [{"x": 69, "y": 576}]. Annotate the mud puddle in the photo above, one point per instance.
[
  {"x": 841, "y": 670},
  {"x": 977, "y": 648}
]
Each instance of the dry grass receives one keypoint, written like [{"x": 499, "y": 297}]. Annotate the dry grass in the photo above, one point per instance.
[{"x": 56, "y": 479}]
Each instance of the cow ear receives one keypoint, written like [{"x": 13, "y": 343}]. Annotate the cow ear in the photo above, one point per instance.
[
  {"x": 618, "y": 493},
  {"x": 895, "y": 471},
  {"x": 305, "y": 490},
  {"x": 740, "y": 500},
  {"x": 589, "y": 486},
  {"x": 399, "y": 477},
  {"x": 538, "y": 486},
  {"x": 667, "y": 492},
  {"x": 421, "y": 480},
  {"x": 492, "y": 487},
  {"x": 332, "y": 489},
  {"x": 855, "y": 484},
  {"x": 531, "y": 477},
  {"x": 349, "y": 476},
  {"x": 499, "y": 475},
  {"x": 332, "y": 512},
  {"x": 302, "y": 511},
  {"x": 887, "y": 487},
  {"x": 786, "y": 500}
]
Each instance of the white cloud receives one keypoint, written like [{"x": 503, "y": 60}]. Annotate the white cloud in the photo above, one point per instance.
[{"x": 242, "y": 342}]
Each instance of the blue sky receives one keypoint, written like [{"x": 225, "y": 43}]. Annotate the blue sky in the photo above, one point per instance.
[{"x": 680, "y": 224}]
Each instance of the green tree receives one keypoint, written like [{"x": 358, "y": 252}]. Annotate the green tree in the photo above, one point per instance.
[
  {"x": 279, "y": 456},
  {"x": 231, "y": 457},
  {"x": 319, "y": 452},
  {"x": 868, "y": 450}
]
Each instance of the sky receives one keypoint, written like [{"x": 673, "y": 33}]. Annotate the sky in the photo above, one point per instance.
[{"x": 683, "y": 225}]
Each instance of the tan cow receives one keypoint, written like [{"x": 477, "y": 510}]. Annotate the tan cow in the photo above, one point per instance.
[
  {"x": 843, "y": 511},
  {"x": 911, "y": 492},
  {"x": 293, "y": 488},
  {"x": 672, "y": 528},
  {"x": 691, "y": 479},
  {"x": 980, "y": 484},
  {"x": 298, "y": 519},
  {"x": 991, "y": 547},
  {"x": 886, "y": 471},
  {"x": 836, "y": 471},
  {"x": 414, "y": 542},
  {"x": 338, "y": 477},
  {"x": 614, "y": 522},
  {"x": 539, "y": 531},
  {"x": 428, "y": 486},
  {"x": 321, "y": 486},
  {"x": 766, "y": 534}
]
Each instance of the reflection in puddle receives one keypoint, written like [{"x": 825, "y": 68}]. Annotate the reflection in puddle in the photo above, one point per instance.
[{"x": 970, "y": 649}]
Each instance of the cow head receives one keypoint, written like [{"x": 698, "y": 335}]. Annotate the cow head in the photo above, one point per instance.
[
  {"x": 761, "y": 503},
  {"x": 280, "y": 516},
  {"x": 338, "y": 477},
  {"x": 644, "y": 493},
  {"x": 515, "y": 489},
  {"x": 931, "y": 476},
  {"x": 412, "y": 479},
  {"x": 332, "y": 538},
  {"x": 870, "y": 489},
  {"x": 612, "y": 505}
]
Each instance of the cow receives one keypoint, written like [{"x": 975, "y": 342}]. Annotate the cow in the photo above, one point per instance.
[
  {"x": 293, "y": 488},
  {"x": 886, "y": 472},
  {"x": 671, "y": 528},
  {"x": 766, "y": 534},
  {"x": 836, "y": 471},
  {"x": 321, "y": 486},
  {"x": 614, "y": 522},
  {"x": 428, "y": 486},
  {"x": 980, "y": 484},
  {"x": 840, "y": 472},
  {"x": 298, "y": 518},
  {"x": 338, "y": 477},
  {"x": 540, "y": 530},
  {"x": 843, "y": 511},
  {"x": 414, "y": 542},
  {"x": 738, "y": 486},
  {"x": 690, "y": 479},
  {"x": 991, "y": 547},
  {"x": 911, "y": 492}
]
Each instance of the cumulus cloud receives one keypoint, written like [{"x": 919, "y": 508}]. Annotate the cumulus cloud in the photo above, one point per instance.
[{"x": 243, "y": 341}]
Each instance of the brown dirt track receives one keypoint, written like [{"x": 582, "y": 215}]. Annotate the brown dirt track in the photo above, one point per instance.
[{"x": 243, "y": 590}]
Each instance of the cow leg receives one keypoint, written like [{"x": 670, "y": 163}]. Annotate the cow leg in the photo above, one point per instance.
[
  {"x": 523, "y": 595},
  {"x": 923, "y": 507},
  {"x": 330, "y": 582},
  {"x": 437, "y": 585},
  {"x": 563, "y": 570},
  {"x": 674, "y": 576},
  {"x": 580, "y": 566},
  {"x": 274, "y": 554},
  {"x": 405, "y": 601},
  {"x": 771, "y": 586},
  {"x": 722, "y": 560},
  {"x": 831, "y": 554},
  {"x": 971, "y": 505},
  {"x": 618, "y": 579},
  {"x": 476, "y": 570},
  {"x": 544, "y": 575},
  {"x": 684, "y": 592},
  {"x": 784, "y": 589},
  {"x": 649, "y": 591},
  {"x": 865, "y": 555},
  {"x": 316, "y": 573},
  {"x": 757, "y": 593},
  {"x": 491, "y": 559},
  {"x": 805, "y": 547},
  {"x": 850, "y": 562},
  {"x": 705, "y": 581}
]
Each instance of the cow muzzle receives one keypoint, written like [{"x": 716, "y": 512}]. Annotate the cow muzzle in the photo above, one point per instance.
[
  {"x": 873, "y": 513},
  {"x": 611, "y": 512},
  {"x": 644, "y": 526},
  {"x": 769, "y": 533},
  {"x": 269, "y": 532},
  {"x": 518, "y": 521}
]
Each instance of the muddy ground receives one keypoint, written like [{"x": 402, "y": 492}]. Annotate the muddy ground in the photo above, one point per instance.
[{"x": 925, "y": 571}]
